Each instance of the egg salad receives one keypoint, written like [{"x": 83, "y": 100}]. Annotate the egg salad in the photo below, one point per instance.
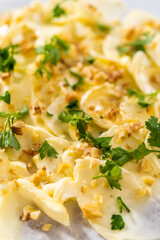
[{"x": 80, "y": 118}]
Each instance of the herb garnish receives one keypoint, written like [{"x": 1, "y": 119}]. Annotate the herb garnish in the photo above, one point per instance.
[
  {"x": 103, "y": 27},
  {"x": 121, "y": 204},
  {"x": 7, "y": 61},
  {"x": 75, "y": 116},
  {"x": 90, "y": 59},
  {"x": 154, "y": 127},
  {"x": 112, "y": 173},
  {"x": 78, "y": 77},
  {"x": 7, "y": 138},
  {"x": 117, "y": 222},
  {"x": 144, "y": 100},
  {"x": 6, "y": 97},
  {"x": 52, "y": 54},
  {"x": 50, "y": 114},
  {"x": 47, "y": 150},
  {"x": 58, "y": 11},
  {"x": 137, "y": 45}
]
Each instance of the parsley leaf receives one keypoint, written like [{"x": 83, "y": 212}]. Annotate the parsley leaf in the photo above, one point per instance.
[
  {"x": 75, "y": 117},
  {"x": 117, "y": 222},
  {"x": 112, "y": 173},
  {"x": 78, "y": 77},
  {"x": 144, "y": 100},
  {"x": 90, "y": 59},
  {"x": 122, "y": 204},
  {"x": 6, "y": 97},
  {"x": 21, "y": 114},
  {"x": 103, "y": 27},
  {"x": 7, "y": 61},
  {"x": 52, "y": 54},
  {"x": 121, "y": 156},
  {"x": 154, "y": 127},
  {"x": 58, "y": 11},
  {"x": 50, "y": 114},
  {"x": 137, "y": 45},
  {"x": 7, "y": 138},
  {"x": 47, "y": 150}
]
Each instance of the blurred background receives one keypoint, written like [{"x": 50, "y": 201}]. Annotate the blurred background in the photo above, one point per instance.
[{"x": 152, "y": 6}]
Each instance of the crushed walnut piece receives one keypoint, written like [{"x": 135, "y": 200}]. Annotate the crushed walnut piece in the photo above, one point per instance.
[
  {"x": 32, "y": 149},
  {"x": 17, "y": 127},
  {"x": 91, "y": 210},
  {"x": 112, "y": 113},
  {"x": 46, "y": 227},
  {"x": 35, "y": 107},
  {"x": 30, "y": 212}
]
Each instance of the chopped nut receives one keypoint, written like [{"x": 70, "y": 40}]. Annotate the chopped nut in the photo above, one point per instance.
[
  {"x": 46, "y": 227},
  {"x": 33, "y": 149},
  {"x": 91, "y": 211},
  {"x": 112, "y": 113},
  {"x": 71, "y": 97},
  {"x": 114, "y": 76},
  {"x": 84, "y": 189},
  {"x": 35, "y": 108},
  {"x": 145, "y": 166},
  {"x": 94, "y": 183},
  {"x": 130, "y": 34},
  {"x": 29, "y": 213},
  {"x": 17, "y": 127},
  {"x": 99, "y": 199},
  {"x": 141, "y": 193},
  {"x": 148, "y": 180},
  {"x": 101, "y": 77},
  {"x": 6, "y": 75}
]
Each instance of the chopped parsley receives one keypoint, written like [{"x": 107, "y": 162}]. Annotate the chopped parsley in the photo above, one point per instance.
[
  {"x": 78, "y": 77},
  {"x": 103, "y": 27},
  {"x": 138, "y": 45},
  {"x": 144, "y": 100},
  {"x": 112, "y": 173},
  {"x": 47, "y": 150},
  {"x": 75, "y": 116},
  {"x": 154, "y": 127},
  {"x": 58, "y": 11},
  {"x": 121, "y": 204},
  {"x": 52, "y": 54},
  {"x": 7, "y": 137},
  {"x": 50, "y": 114},
  {"x": 90, "y": 59},
  {"x": 117, "y": 222},
  {"x": 7, "y": 60},
  {"x": 6, "y": 97}
]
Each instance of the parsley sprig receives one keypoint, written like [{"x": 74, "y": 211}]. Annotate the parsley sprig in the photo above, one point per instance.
[
  {"x": 138, "y": 45},
  {"x": 121, "y": 204},
  {"x": 117, "y": 222},
  {"x": 58, "y": 11},
  {"x": 144, "y": 100},
  {"x": 112, "y": 173},
  {"x": 7, "y": 137},
  {"x": 75, "y": 117},
  {"x": 7, "y": 60},
  {"x": 47, "y": 150},
  {"x": 79, "y": 78},
  {"x": 117, "y": 157},
  {"x": 52, "y": 54},
  {"x": 154, "y": 127}
]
